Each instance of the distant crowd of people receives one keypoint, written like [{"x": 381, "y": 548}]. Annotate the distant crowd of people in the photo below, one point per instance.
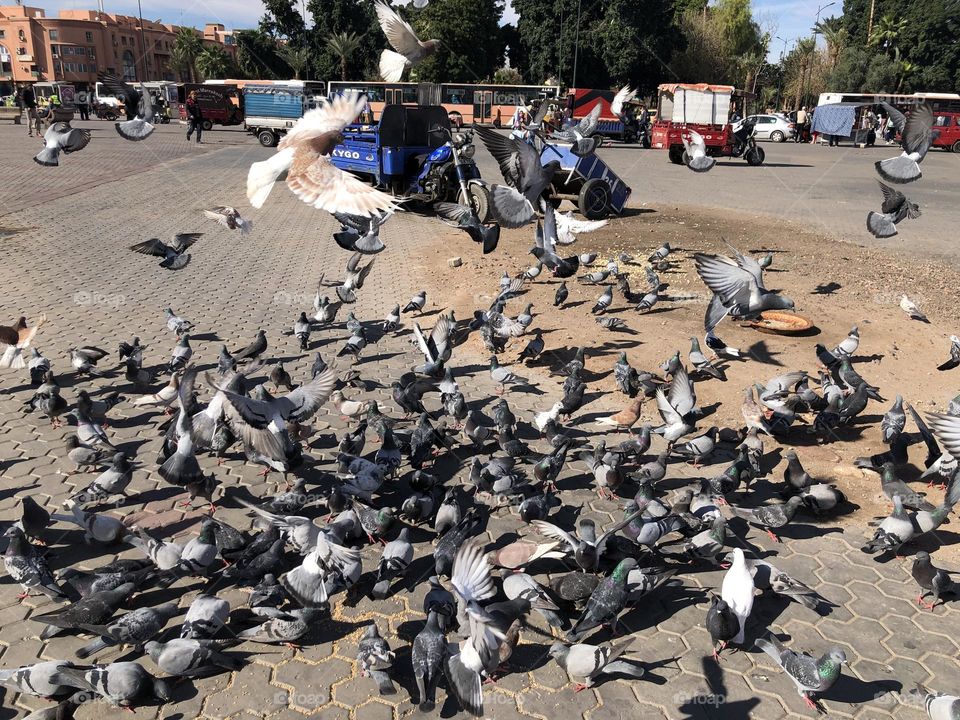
[{"x": 875, "y": 124}]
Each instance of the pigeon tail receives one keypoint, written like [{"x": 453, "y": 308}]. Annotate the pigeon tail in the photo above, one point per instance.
[
  {"x": 392, "y": 65},
  {"x": 880, "y": 225},
  {"x": 264, "y": 174},
  {"x": 701, "y": 164},
  {"x": 48, "y": 157},
  {"x": 135, "y": 129},
  {"x": 900, "y": 170}
]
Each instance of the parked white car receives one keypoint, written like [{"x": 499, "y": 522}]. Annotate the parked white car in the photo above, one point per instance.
[{"x": 773, "y": 127}]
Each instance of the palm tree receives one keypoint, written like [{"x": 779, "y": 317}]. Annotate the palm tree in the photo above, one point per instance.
[
  {"x": 906, "y": 68},
  {"x": 835, "y": 35},
  {"x": 886, "y": 33},
  {"x": 343, "y": 45},
  {"x": 212, "y": 62},
  {"x": 295, "y": 57},
  {"x": 186, "y": 48}
]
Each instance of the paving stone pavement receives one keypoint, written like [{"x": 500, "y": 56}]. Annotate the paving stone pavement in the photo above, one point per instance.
[{"x": 71, "y": 263}]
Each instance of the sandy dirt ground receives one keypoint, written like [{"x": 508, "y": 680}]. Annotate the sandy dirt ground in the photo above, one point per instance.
[{"x": 836, "y": 285}]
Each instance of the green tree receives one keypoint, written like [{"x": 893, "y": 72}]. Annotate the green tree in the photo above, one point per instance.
[
  {"x": 213, "y": 62},
  {"x": 887, "y": 33},
  {"x": 344, "y": 16},
  {"x": 507, "y": 76},
  {"x": 514, "y": 48},
  {"x": 187, "y": 46},
  {"x": 734, "y": 20},
  {"x": 472, "y": 46},
  {"x": 282, "y": 19},
  {"x": 295, "y": 57},
  {"x": 343, "y": 45},
  {"x": 258, "y": 56},
  {"x": 835, "y": 35},
  {"x": 638, "y": 38}
]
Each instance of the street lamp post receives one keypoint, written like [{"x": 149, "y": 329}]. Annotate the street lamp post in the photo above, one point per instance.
[
  {"x": 813, "y": 50},
  {"x": 576, "y": 45},
  {"x": 783, "y": 54}
]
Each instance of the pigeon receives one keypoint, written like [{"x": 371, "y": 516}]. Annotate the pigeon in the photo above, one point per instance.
[
  {"x": 954, "y": 359},
  {"x": 416, "y": 303},
  {"x": 165, "y": 555},
  {"x": 392, "y": 321},
  {"x": 34, "y": 519},
  {"x": 896, "y": 207},
  {"x": 722, "y": 623},
  {"x": 303, "y": 157},
  {"x": 37, "y": 680},
  {"x": 192, "y": 658},
  {"x": 811, "y": 675},
  {"x": 515, "y": 204},
  {"x": 376, "y": 659},
  {"x": 95, "y": 609},
  {"x": 623, "y": 96},
  {"x": 38, "y": 367},
  {"x": 124, "y": 684},
  {"x": 138, "y": 106},
  {"x": 397, "y": 555},
  {"x": 700, "y": 447},
  {"x": 181, "y": 355},
  {"x": 359, "y": 233},
  {"x": 284, "y": 627},
  {"x": 410, "y": 50},
  {"x": 737, "y": 287},
  {"x": 579, "y": 135},
  {"x": 770, "y": 517},
  {"x": 104, "y": 529},
  {"x": 488, "y": 236},
  {"x": 14, "y": 340},
  {"x": 326, "y": 568},
  {"x": 503, "y": 376},
  {"x": 584, "y": 663},
  {"x": 606, "y": 602},
  {"x": 520, "y": 585},
  {"x": 894, "y": 420},
  {"x": 604, "y": 301},
  {"x": 569, "y": 227},
  {"x": 230, "y": 218},
  {"x": 175, "y": 256},
  {"x": 917, "y": 137},
  {"x": 737, "y": 591},
  {"x": 939, "y": 706},
  {"x": 61, "y": 137},
  {"x": 560, "y": 297},
  {"x": 25, "y": 566},
  {"x": 533, "y": 348},
  {"x": 696, "y": 157},
  {"x": 894, "y": 486},
  {"x": 586, "y": 547},
  {"x": 931, "y": 579},
  {"x": 428, "y": 657},
  {"x": 134, "y": 628},
  {"x": 205, "y": 617},
  {"x": 911, "y": 309}
]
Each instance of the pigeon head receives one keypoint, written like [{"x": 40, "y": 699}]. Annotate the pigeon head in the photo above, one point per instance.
[
  {"x": 779, "y": 302},
  {"x": 162, "y": 690},
  {"x": 558, "y": 651}
]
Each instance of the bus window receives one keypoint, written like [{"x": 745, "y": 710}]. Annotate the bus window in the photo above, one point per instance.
[
  {"x": 508, "y": 96},
  {"x": 410, "y": 95},
  {"x": 457, "y": 95}
]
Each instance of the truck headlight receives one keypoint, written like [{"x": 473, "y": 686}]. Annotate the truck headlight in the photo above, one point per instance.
[{"x": 467, "y": 151}]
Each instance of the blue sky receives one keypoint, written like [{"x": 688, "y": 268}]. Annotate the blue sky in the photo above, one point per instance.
[{"x": 789, "y": 19}]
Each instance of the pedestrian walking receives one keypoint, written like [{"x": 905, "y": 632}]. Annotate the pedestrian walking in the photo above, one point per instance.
[
  {"x": 195, "y": 114},
  {"x": 801, "y": 124},
  {"x": 29, "y": 101},
  {"x": 83, "y": 106}
]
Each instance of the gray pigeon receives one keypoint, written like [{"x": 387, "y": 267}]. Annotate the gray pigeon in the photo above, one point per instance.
[
  {"x": 376, "y": 659},
  {"x": 954, "y": 359},
  {"x": 722, "y": 624},
  {"x": 284, "y": 627},
  {"x": 893, "y": 485},
  {"x": 893, "y": 421},
  {"x": 584, "y": 663},
  {"x": 939, "y": 706},
  {"x": 397, "y": 555},
  {"x": 38, "y": 680},
  {"x": 27, "y": 567},
  {"x": 192, "y": 658},
  {"x": 94, "y": 609},
  {"x": 440, "y": 601},
  {"x": 896, "y": 206},
  {"x": 61, "y": 137},
  {"x": 125, "y": 684},
  {"x": 811, "y": 675},
  {"x": 917, "y": 136},
  {"x": 204, "y": 618},
  {"x": 134, "y": 628},
  {"x": 931, "y": 579},
  {"x": 428, "y": 653},
  {"x": 112, "y": 481},
  {"x": 606, "y": 601},
  {"x": 99, "y": 527}
]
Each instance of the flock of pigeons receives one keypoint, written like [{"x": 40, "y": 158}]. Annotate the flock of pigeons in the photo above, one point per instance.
[{"x": 297, "y": 564}]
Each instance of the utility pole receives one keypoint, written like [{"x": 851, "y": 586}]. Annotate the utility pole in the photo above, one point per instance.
[
  {"x": 143, "y": 45},
  {"x": 576, "y": 46},
  {"x": 560, "y": 50},
  {"x": 813, "y": 52}
]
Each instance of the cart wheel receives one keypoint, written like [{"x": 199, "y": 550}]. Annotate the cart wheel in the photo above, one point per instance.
[
  {"x": 685, "y": 157},
  {"x": 646, "y": 141},
  {"x": 956, "y": 147},
  {"x": 207, "y": 125},
  {"x": 267, "y": 138},
  {"x": 755, "y": 156},
  {"x": 676, "y": 154},
  {"x": 594, "y": 199},
  {"x": 110, "y": 116},
  {"x": 479, "y": 201}
]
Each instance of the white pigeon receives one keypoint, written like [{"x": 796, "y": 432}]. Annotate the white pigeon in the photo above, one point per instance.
[
  {"x": 911, "y": 309},
  {"x": 542, "y": 419},
  {"x": 409, "y": 48},
  {"x": 697, "y": 158},
  {"x": 624, "y": 95},
  {"x": 568, "y": 227},
  {"x": 737, "y": 591},
  {"x": 303, "y": 155}
]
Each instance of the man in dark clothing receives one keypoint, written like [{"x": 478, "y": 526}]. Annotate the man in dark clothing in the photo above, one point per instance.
[
  {"x": 30, "y": 105},
  {"x": 195, "y": 116}
]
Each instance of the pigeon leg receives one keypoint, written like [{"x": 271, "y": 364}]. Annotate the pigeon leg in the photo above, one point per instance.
[
  {"x": 580, "y": 687},
  {"x": 264, "y": 472},
  {"x": 22, "y": 596},
  {"x": 772, "y": 535},
  {"x": 810, "y": 703}
]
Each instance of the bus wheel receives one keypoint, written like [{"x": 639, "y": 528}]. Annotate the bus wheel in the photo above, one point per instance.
[
  {"x": 479, "y": 201},
  {"x": 676, "y": 154},
  {"x": 207, "y": 125},
  {"x": 267, "y": 138},
  {"x": 594, "y": 201}
]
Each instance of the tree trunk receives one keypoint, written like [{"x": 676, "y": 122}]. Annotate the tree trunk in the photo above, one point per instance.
[
  {"x": 343, "y": 67},
  {"x": 870, "y": 21}
]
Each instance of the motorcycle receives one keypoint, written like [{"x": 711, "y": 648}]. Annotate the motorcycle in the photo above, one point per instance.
[{"x": 745, "y": 142}]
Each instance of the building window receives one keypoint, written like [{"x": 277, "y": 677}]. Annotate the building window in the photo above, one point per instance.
[
  {"x": 54, "y": 50},
  {"x": 129, "y": 66},
  {"x": 89, "y": 37},
  {"x": 23, "y": 38},
  {"x": 54, "y": 35},
  {"x": 123, "y": 39},
  {"x": 3, "y": 34}
]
